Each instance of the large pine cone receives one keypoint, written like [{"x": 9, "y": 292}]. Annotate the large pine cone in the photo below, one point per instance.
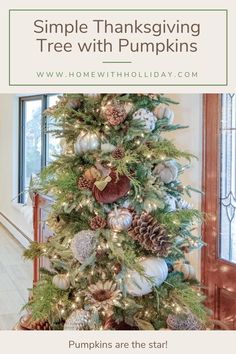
[{"x": 151, "y": 235}]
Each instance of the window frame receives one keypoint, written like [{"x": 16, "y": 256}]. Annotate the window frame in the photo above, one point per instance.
[{"x": 44, "y": 139}]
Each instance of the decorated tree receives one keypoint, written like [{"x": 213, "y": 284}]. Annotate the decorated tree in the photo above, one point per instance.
[{"x": 121, "y": 226}]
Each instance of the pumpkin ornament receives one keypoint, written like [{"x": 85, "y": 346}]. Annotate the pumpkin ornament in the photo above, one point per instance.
[
  {"x": 162, "y": 111},
  {"x": 147, "y": 118},
  {"x": 111, "y": 186},
  {"x": 119, "y": 219},
  {"x": 167, "y": 171},
  {"x": 61, "y": 281},
  {"x": 87, "y": 141},
  {"x": 187, "y": 270},
  {"x": 155, "y": 268}
]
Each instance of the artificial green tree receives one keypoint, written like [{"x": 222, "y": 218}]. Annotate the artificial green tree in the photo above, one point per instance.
[{"x": 121, "y": 226}]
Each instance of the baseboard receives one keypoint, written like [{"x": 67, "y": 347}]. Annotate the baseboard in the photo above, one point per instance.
[{"x": 18, "y": 234}]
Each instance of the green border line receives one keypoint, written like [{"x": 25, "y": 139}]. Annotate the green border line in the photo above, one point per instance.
[{"x": 120, "y": 10}]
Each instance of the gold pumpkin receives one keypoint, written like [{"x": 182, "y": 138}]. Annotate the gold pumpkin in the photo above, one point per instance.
[
  {"x": 119, "y": 219},
  {"x": 61, "y": 281}
]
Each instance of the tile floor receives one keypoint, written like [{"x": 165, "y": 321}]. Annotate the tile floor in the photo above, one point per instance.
[{"x": 15, "y": 278}]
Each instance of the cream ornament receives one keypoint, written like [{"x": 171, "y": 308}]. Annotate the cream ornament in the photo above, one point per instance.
[
  {"x": 119, "y": 219},
  {"x": 107, "y": 147},
  {"x": 167, "y": 171},
  {"x": 163, "y": 111},
  {"x": 83, "y": 244},
  {"x": 87, "y": 141},
  {"x": 146, "y": 117},
  {"x": 78, "y": 320},
  {"x": 61, "y": 281},
  {"x": 170, "y": 202},
  {"x": 187, "y": 270},
  {"x": 155, "y": 268}
]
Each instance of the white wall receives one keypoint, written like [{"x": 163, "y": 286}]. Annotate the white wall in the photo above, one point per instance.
[
  {"x": 9, "y": 168},
  {"x": 188, "y": 112}
]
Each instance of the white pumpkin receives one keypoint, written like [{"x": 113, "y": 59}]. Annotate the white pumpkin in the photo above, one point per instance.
[
  {"x": 163, "y": 111},
  {"x": 187, "y": 270},
  {"x": 154, "y": 267},
  {"x": 119, "y": 219},
  {"x": 86, "y": 141},
  {"x": 167, "y": 171},
  {"x": 146, "y": 117},
  {"x": 61, "y": 281}
]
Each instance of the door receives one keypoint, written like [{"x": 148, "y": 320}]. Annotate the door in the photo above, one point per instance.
[{"x": 219, "y": 203}]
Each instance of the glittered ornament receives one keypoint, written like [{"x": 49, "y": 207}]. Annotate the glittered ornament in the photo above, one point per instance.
[
  {"x": 167, "y": 171},
  {"x": 183, "y": 204},
  {"x": 83, "y": 244},
  {"x": 155, "y": 268},
  {"x": 116, "y": 188},
  {"x": 184, "y": 322},
  {"x": 119, "y": 219},
  {"x": 78, "y": 320},
  {"x": 162, "y": 111},
  {"x": 147, "y": 118},
  {"x": 87, "y": 141},
  {"x": 61, "y": 281},
  {"x": 115, "y": 113},
  {"x": 170, "y": 202},
  {"x": 97, "y": 222}
]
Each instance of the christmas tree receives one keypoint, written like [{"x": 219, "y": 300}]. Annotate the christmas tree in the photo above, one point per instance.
[{"x": 121, "y": 226}]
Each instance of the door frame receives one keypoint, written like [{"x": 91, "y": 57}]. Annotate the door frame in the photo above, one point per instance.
[{"x": 210, "y": 188}]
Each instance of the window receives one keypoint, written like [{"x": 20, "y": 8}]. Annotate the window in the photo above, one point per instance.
[
  {"x": 37, "y": 146},
  {"x": 228, "y": 179}
]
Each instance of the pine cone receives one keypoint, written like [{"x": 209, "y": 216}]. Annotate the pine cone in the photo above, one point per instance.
[
  {"x": 84, "y": 183},
  {"x": 42, "y": 325},
  {"x": 118, "y": 153},
  {"x": 97, "y": 223},
  {"x": 184, "y": 322},
  {"x": 115, "y": 114},
  {"x": 151, "y": 236}
]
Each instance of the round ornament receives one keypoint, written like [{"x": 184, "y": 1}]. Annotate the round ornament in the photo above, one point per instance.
[
  {"x": 167, "y": 171},
  {"x": 107, "y": 147},
  {"x": 187, "y": 270},
  {"x": 86, "y": 141},
  {"x": 78, "y": 320},
  {"x": 154, "y": 267},
  {"x": 184, "y": 322},
  {"x": 83, "y": 244},
  {"x": 147, "y": 118},
  {"x": 119, "y": 219},
  {"x": 61, "y": 281},
  {"x": 116, "y": 188},
  {"x": 162, "y": 111}
]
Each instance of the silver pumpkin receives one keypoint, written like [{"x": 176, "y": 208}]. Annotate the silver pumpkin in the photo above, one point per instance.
[
  {"x": 87, "y": 141},
  {"x": 119, "y": 219}
]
